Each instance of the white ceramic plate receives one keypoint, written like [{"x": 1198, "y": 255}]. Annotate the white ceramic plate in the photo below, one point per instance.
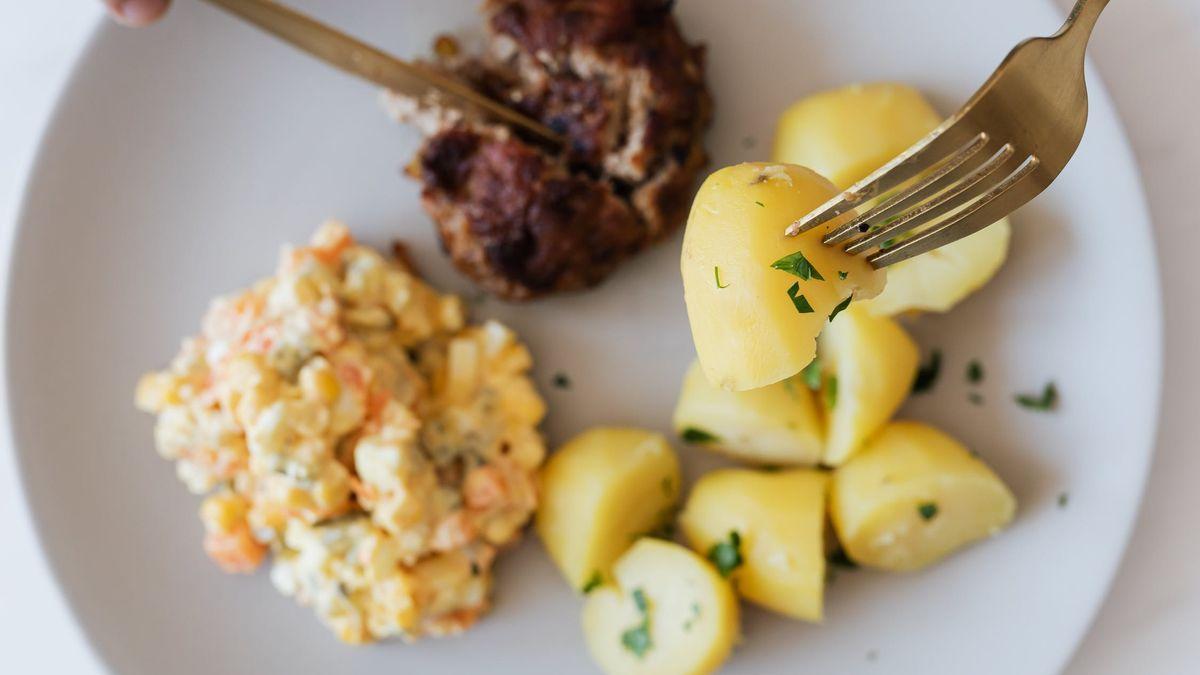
[{"x": 182, "y": 157}]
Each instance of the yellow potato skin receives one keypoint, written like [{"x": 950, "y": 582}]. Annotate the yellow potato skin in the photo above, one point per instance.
[
  {"x": 874, "y": 362},
  {"x": 780, "y": 517},
  {"x": 693, "y": 613},
  {"x": 944, "y": 277},
  {"x": 778, "y": 424},
  {"x": 601, "y": 491},
  {"x": 747, "y": 331},
  {"x": 875, "y": 499},
  {"x": 845, "y": 134}
]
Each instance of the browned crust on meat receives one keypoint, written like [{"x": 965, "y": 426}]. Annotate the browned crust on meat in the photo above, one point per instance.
[
  {"x": 620, "y": 82},
  {"x": 504, "y": 208}
]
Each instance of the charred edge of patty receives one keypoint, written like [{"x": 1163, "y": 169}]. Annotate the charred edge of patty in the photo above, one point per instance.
[{"x": 518, "y": 223}]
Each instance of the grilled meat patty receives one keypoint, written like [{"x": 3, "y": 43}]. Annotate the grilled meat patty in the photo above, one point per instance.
[{"x": 617, "y": 79}]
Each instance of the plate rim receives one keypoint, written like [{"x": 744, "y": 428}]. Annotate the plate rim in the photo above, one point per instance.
[{"x": 1097, "y": 90}]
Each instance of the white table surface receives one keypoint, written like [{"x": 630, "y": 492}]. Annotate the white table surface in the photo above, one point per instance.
[{"x": 1148, "y": 52}]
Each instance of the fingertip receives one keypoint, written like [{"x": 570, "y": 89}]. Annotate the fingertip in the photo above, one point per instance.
[{"x": 137, "y": 13}]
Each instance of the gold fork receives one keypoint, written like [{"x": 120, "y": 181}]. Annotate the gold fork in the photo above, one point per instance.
[
  {"x": 358, "y": 58},
  {"x": 1002, "y": 149}
]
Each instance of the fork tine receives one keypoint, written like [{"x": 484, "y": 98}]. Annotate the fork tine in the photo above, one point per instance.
[
  {"x": 940, "y": 143},
  {"x": 957, "y": 195},
  {"x": 1004, "y": 198},
  {"x": 944, "y": 168}
]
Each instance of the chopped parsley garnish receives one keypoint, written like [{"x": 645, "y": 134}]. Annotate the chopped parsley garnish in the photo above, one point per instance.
[
  {"x": 928, "y": 373},
  {"x": 761, "y": 204},
  {"x": 839, "y": 559},
  {"x": 840, "y": 306},
  {"x": 687, "y": 625},
  {"x": 717, "y": 276},
  {"x": 843, "y": 275},
  {"x": 831, "y": 393},
  {"x": 812, "y": 375},
  {"x": 694, "y": 435},
  {"x": 561, "y": 380},
  {"x": 727, "y": 555},
  {"x": 974, "y": 372},
  {"x": 595, "y": 581},
  {"x": 474, "y": 569},
  {"x": 1063, "y": 498},
  {"x": 798, "y": 300},
  {"x": 797, "y": 265},
  {"x": 975, "y": 397},
  {"x": 637, "y": 639},
  {"x": 927, "y": 510},
  {"x": 1047, "y": 401}
]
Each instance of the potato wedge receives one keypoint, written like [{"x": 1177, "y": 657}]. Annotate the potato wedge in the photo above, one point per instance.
[
  {"x": 847, "y": 133},
  {"x": 940, "y": 279},
  {"x": 754, "y": 324},
  {"x": 869, "y": 364},
  {"x": 667, "y": 611},
  {"x": 915, "y": 495},
  {"x": 599, "y": 493},
  {"x": 779, "y": 424},
  {"x": 779, "y": 522}
]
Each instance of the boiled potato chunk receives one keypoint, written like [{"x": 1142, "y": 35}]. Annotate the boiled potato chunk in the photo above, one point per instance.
[
  {"x": 601, "y": 491},
  {"x": 779, "y": 520},
  {"x": 913, "y": 496},
  {"x": 869, "y": 364},
  {"x": 778, "y": 424},
  {"x": 755, "y": 325},
  {"x": 667, "y": 612},
  {"x": 845, "y": 134},
  {"x": 940, "y": 279}
]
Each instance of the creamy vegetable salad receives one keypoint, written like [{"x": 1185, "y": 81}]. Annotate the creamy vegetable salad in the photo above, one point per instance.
[{"x": 343, "y": 418}]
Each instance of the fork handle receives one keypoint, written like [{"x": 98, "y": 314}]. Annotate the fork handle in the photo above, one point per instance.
[{"x": 1083, "y": 18}]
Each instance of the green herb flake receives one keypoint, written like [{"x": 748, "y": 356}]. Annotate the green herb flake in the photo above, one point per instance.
[
  {"x": 561, "y": 380},
  {"x": 695, "y": 435},
  {"x": 717, "y": 276},
  {"x": 595, "y": 581},
  {"x": 668, "y": 486},
  {"x": 812, "y": 375},
  {"x": 831, "y": 392},
  {"x": 797, "y": 265},
  {"x": 695, "y": 616},
  {"x": 843, "y": 275},
  {"x": 761, "y": 204},
  {"x": 798, "y": 300},
  {"x": 841, "y": 306},
  {"x": 927, "y": 510},
  {"x": 975, "y": 371},
  {"x": 1063, "y": 498},
  {"x": 1047, "y": 401},
  {"x": 975, "y": 398},
  {"x": 727, "y": 555},
  {"x": 637, "y": 639},
  {"x": 928, "y": 373},
  {"x": 474, "y": 569}
]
